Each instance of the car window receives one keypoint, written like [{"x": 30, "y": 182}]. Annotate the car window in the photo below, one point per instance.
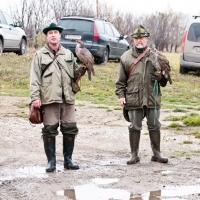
[
  {"x": 79, "y": 25},
  {"x": 8, "y": 19},
  {"x": 194, "y": 32},
  {"x": 109, "y": 30},
  {"x": 116, "y": 33},
  {"x": 100, "y": 26},
  {"x": 2, "y": 19}
]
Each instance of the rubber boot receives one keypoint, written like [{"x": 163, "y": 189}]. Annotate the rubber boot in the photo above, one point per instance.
[
  {"x": 49, "y": 147},
  {"x": 134, "y": 139},
  {"x": 155, "y": 145},
  {"x": 68, "y": 147}
]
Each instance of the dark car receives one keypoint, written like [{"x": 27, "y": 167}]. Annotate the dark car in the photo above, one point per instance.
[
  {"x": 99, "y": 36},
  {"x": 12, "y": 37},
  {"x": 190, "y": 51}
]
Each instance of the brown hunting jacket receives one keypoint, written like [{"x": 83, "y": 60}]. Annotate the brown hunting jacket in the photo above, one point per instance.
[{"x": 138, "y": 88}]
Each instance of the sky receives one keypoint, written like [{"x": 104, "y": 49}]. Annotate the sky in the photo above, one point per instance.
[{"x": 138, "y": 7}]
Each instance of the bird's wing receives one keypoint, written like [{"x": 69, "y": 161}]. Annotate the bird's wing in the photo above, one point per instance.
[
  {"x": 161, "y": 63},
  {"x": 165, "y": 66},
  {"x": 87, "y": 59}
]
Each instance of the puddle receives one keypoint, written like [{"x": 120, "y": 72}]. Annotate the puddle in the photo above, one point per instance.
[
  {"x": 27, "y": 172},
  {"x": 93, "y": 191},
  {"x": 163, "y": 172},
  {"x": 104, "y": 181}
]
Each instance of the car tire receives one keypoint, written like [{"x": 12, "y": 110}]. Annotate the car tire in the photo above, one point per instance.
[
  {"x": 22, "y": 49},
  {"x": 183, "y": 70},
  {"x": 1, "y": 47},
  {"x": 105, "y": 56}
]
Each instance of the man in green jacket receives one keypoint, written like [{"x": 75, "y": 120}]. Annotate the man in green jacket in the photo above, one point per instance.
[
  {"x": 139, "y": 93},
  {"x": 52, "y": 70}
]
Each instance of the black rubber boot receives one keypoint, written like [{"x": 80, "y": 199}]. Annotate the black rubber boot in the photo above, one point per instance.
[
  {"x": 134, "y": 139},
  {"x": 68, "y": 147},
  {"x": 49, "y": 147},
  {"x": 155, "y": 145}
]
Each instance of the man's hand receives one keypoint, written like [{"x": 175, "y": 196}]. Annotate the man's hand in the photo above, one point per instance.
[
  {"x": 122, "y": 101},
  {"x": 36, "y": 103}
]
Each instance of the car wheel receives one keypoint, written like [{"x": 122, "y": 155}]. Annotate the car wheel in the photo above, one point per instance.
[
  {"x": 22, "y": 49},
  {"x": 104, "y": 58},
  {"x": 1, "y": 47},
  {"x": 183, "y": 70}
]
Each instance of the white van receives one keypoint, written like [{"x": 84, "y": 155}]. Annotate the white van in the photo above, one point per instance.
[{"x": 190, "y": 49}]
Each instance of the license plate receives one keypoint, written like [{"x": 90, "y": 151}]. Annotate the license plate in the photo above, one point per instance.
[
  {"x": 197, "y": 49},
  {"x": 73, "y": 37}
]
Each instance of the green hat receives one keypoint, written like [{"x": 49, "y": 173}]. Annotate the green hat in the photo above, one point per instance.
[
  {"x": 140, "y": 32},
  {"x": 52, "y": 26}
]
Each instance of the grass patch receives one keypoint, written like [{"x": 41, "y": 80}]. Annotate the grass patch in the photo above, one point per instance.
[
  {"x": 196, "y": 134},
  {"x": 15, "y": 73},
  {"x": 187, "y": 142},
  {"x": 174, "y": 125}
]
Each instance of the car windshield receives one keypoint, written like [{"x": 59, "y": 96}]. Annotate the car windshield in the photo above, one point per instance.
[{"x": 79, "y": 25}]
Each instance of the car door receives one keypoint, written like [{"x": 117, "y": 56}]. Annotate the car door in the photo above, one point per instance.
[
  {"x": 111, "y": 40},
  {"x": 11, "y": 34},
  {"x": 121, "y": 43}
]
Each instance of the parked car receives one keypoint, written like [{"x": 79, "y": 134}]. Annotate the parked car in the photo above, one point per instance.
[
  {"x": 12, "y": 37},
  {"x": 190, "y": 50},
  {"x": 99, "y": 36}
]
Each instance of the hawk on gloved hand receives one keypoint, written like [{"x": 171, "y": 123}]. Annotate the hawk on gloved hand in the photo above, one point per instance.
[
  {"x": 161, "y": 64},
  {"x": 85, "y": 57}
]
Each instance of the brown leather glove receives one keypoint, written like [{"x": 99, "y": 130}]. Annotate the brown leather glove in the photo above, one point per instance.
[
  {"x": 160, "y": 78},
  {"x": 79, "y": 72},
  {"x": 157, "y": 76}
]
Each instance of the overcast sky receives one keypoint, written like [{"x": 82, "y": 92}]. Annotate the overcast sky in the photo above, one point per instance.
[{"x": 191, "y": 7}]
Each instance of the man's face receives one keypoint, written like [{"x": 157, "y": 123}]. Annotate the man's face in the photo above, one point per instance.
[
  {"x": 53, "y": 37},
  {"x": 140, "y": 42}
]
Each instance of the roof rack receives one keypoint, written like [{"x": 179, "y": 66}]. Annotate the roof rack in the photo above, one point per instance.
[
  {"x": 87, "y": 16},
  {"x": 195, "y": 16},
  {"x": 80, "y": 16}
]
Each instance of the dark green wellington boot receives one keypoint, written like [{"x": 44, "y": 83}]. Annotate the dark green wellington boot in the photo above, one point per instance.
[
  {"x": 134, "y": 139},
  {"x": 68, "y": 147},
  {"x": 155, "y": 145},
  {"x": 49, "y": 147}
]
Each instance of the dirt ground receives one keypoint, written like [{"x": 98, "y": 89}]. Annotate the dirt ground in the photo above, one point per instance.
[{"x": 101, "y": 151}]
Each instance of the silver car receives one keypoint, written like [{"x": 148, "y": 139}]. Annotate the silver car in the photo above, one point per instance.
[
  {"x": 190, "y": 49},
  {"x": 12, "y": 37}
]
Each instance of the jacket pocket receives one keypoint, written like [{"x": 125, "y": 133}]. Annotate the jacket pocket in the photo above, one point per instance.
[
  {"x": 132, "y": 97},
  {"x": 46, "y": 80}
]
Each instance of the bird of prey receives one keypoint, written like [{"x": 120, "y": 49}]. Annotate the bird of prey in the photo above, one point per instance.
[
  {"x": 160, "y": 63},
  {"x": 85, "y": 57}
]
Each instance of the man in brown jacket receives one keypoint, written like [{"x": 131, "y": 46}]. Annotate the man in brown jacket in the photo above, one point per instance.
[
  {"x": 136, "y": 92},
  {"x": 52, "y": 89}
]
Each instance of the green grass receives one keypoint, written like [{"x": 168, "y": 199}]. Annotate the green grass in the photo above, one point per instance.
[{"x": 182, "y": 94}]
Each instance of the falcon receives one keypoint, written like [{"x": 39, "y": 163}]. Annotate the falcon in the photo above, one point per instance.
[
  {"x": 85, "y": 57},
  {"x": 161, "y": 63}
]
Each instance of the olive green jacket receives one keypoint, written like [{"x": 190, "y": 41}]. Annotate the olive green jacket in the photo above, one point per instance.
[
  {"x": 55, "y": 84},
  {"x": 138, "y": 88}
]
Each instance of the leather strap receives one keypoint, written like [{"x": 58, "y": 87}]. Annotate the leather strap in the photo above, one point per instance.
[
  {"x": 137, "y": 60},
  {"x": 48, "y": 65}
]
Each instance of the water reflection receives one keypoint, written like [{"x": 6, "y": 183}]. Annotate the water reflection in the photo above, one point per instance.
[{"x": 91, "y": 192}]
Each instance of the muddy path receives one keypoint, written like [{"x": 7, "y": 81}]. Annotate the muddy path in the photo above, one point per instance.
[{"x": 101, "y": 151}]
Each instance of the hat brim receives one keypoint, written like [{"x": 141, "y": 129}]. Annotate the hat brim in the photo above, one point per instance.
[
  {"x": 45, "y": 30},
  {"x": 140, "y": 35}
]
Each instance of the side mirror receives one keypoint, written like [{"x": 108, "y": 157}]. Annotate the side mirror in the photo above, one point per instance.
[
  {"x": 18, "y": 24},
  {"x": 123, "y": 37}
]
